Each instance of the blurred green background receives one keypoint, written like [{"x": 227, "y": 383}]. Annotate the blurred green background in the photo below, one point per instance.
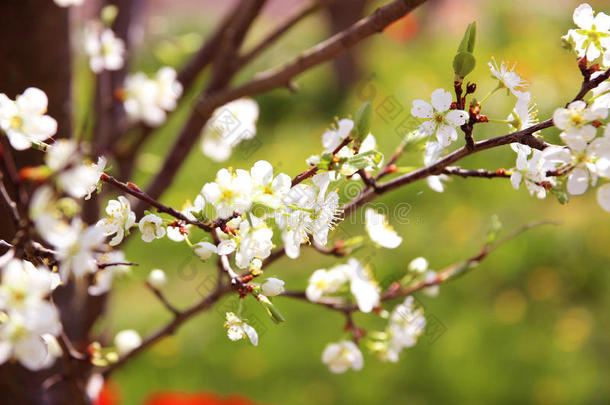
[{"x": 530, "y": 325}]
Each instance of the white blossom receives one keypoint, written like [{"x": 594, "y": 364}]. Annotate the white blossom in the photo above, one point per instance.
[
  {"x": 24, "y": 120},
  {"x": 532, "y": 173},
  {"x": 237, "y": 329},
  {"x": 309, "y": 210},
  {"x": 226, "y": 247},
  {"x": 507, "y": 77},
  {"x": 229, "y": 125},
  {"x": 268, "y": 190},
  {"x": 230, "y": 192},
  {"x": 126, "y": 341},
  {"x": 24, "y": 285},
  {"x": 120, "y": 218},
  {"x": 68, "y": 3},
  {"x": 157, "y": 278},
  {"x": 105, "y": 50},
  {"x": 21, "y": 335},
  {"x": 432, "y": 154},
  {"x": 363, "y": 286},
  {"x": 576, "y": 121},
  {"x": 148, "y": 99},
  {"x": 380, "y": 231},
  {"x": 418, "y": 265},
  {"x": 76, "y": 246},
  {"x": 406, "y": 325},
  {"x": 592, "y": 39},
  {"x": 603, "y": 196},
  {"x": 524, "y": 115},
  {"x": 440, "y": 118},
  {"x": 151, "y": 227},
  {"x": 255, "y": 242},
  {"x": 204, "y": 250},
  {"x": 332, "y": 138},
  {"x": 272, "y": 287},
  {"x": 324, "y": 282},
  {"x": 601, "y": 93},
  {"x": 342, "y": 356}
]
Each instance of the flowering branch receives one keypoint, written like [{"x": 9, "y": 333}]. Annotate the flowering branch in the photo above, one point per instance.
[{"x": 268, "y": 80}]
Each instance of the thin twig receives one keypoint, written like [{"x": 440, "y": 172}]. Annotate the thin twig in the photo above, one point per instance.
[{"x": 161, "y": 297}]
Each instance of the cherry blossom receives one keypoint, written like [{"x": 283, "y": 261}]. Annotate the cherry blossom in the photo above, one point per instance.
[
  {"x": 105, "y": 50},
  {"x": 507, "y": 77},
  {"x": 119, "y": 221},
  {"x": 237, "y": 329},
  {"x": 342, "y": 356},
  {"x": 441, "y": 119},
  {"x": 151, "y": 227},
  {"x": 230, "y": 124},
  {"x": 24, "y": 121},
  {"x": 380, "y": 231}
]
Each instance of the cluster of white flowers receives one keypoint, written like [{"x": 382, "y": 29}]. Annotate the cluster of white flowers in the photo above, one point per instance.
[
  {"x": 29, "y": 323},
  {"x": 592, "y": 38},
  {"x": 105, "y": 50},
  {"x": 350, "y": 160},
  {"x": 406, "y": 325},
  {"x": 24, "y": 121},
  {"x": 149, "y": 99},
  {"x": 229, "y": 125},
  {"x": 582, "y": 163},
  {"x": 362, "y": 285}
]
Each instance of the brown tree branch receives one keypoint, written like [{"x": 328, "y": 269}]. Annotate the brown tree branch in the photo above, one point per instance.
[
  {"x": 171, "y": 327},
  {"x": 458, "y": 171},
  {"x": 280, "y": 30},
  {"x": 396, "y": 290}
]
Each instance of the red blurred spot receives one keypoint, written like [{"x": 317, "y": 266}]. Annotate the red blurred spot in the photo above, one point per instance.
[
  {"x": 109, "y": 395},
  {"x": 404, "y": 29},
  {"x": 206, "y": 398}
]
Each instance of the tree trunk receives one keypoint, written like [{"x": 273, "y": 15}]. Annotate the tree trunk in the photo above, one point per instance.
[{"x": 35, "y": 52}]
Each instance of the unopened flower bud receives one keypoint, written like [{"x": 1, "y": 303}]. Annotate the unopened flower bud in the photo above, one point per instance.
[
  {"x": 126, "y": 341},
  {"x": 272, "y": 287},
  {"x": 157, "y": 278},
  {"x": 418, "y": 265}
]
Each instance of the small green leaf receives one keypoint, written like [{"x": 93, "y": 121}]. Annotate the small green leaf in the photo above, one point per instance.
[
  {"x": 561, "y": 195},
  {"x": 362, "y": 122},
  {"x": 467, "y": 44}
]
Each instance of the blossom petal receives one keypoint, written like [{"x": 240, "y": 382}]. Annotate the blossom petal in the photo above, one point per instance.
[
  {"x": 456, "y": 117},
  {"x": 421, "y": 109},
  {"x": 441, "y": 100},
  {"x": 583, "y": 16},
  {"x": 578, "y": 181},
  {"x": 603, "y": 196}
]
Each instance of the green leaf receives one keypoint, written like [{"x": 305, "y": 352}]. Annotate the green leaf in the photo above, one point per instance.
[
  {"x": 463, "y": 63},
  {"x": 561, "y": 195},
  {"x": 272, "y": 311},
  {"x": 362, "y": 122},
  {"x": 467, "y": 44},
  {"x": 363, "y": 160}
]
